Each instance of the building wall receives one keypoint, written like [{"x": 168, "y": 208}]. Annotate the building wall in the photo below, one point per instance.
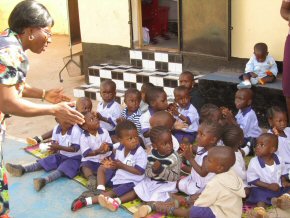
[
  {"x": 105, "y": 22},
  {"x": 57, "y": 10},
  {"x": 257, "y": 21}
]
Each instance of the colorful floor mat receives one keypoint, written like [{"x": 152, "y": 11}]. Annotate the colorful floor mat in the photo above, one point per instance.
[{"x": 131, "y": 206}]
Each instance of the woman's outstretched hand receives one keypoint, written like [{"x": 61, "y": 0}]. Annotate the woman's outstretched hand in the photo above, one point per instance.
[
  {"x": 56, "y": 96},
  {"x": 64, "y": 112}
]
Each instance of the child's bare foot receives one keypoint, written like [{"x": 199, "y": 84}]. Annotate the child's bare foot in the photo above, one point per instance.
[
  {"x": 108, "y": 202},
  {"x": 142, "y": 211},
  {"x": 283, "y": 202},
  {"x": 257, "y": 212},
  {"x": 15, "y": 170},
  {"x": 39, "y": 183}
]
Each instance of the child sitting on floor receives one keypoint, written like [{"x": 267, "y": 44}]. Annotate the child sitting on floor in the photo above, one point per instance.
[
  {"x": 266, "y": 173},
  {"x": 233, "y": 137},
  {"x": 157, "y": 100},
  {"x": 222, "y": 196},
  {"x": 83, "y": 105},
  {"x": 132, "y": 111},
  {"x": 146, "y": 87},
  {"x": 260, "y": 69},
  {"x": 162, "y": 171},
  {"x": 196, "y": 99},
  {"x": 66, "y": 161},
  {"x": 184, "y": 111},
  {"x": 95, "y": 148},
  {"x": 208, "y": 135},
  {"x": 277, "y": 118},
  {"x": 108, "y": 110},
  {"x": 128, "y": 167},
  {"x": 246, "y": 118}
]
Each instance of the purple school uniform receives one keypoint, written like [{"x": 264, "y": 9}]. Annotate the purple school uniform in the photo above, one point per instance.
[
  {"x": 89, "y": 143},
  {"x": 66, "y": 162},
  {"x": 258, "y": 170},
  {"x": 112, "y": 111},
  {"x": 123, "y": 181},
  {"x": 190, "y": 132}
]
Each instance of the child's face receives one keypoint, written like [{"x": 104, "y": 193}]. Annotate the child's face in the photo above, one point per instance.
[
  {"x": 83, "y": 106},
  {"x": 260, "y": 55},
  {"x": 129, "y": 138},
  {"x": 132, "y": 101},
  {"x": 186, "y": 80},
  {"x": 182, "y": 98},
  {"x": 160, "y": 103},
  {"x": 164, "y": 146},
  {"x": 92, "y": 123},
  {"x": 264, "y": 146},
  {"x": 279, "y": 121},
  {"x": 108, "y": 93},
  {"x": 205, "y": 137},
  {"x": 242, "y": 99}
]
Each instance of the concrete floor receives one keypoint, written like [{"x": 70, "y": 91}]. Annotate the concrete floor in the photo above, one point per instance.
[{"x": 55, "y": 199}]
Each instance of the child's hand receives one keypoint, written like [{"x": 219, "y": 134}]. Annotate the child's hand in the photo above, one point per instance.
[
  {"x": 120, "y": 120},
  {"x": 99, "y": 116},
  {"x": 285, "y": 184},
  {"x": 116, "y": 164},
  {"x": 274, "y": 187},
  {"x": 179, "y": 125},
  {"x": 156, "y": 166},
  {"x": 107, "y": 163},
  {"x": 188, "y": 153},
  {"x": 104, "y": 148},
  {"x": 228, "y": 115},
  {"x": 173, "y": 109},
  {"x": 275, "y": 131},
  {"x": 54, "y": 147}
]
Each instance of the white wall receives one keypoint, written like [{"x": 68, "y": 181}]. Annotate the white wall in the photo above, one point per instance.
[
  {"x": 105, "y": 21},
  {"x": 257, "y": 21}
]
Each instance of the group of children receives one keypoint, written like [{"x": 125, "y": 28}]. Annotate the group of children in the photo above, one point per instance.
[{"x": 153, "y": 150}]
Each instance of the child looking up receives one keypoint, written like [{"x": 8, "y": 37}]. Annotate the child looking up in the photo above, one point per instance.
[
  {"x": 260, "y": 69},
  {"x": 247, "y": 119},
  {"x": 162, "y": 171},
  {"x": 65, "y": 162},
  {"x": 277, "y": 118},
  {"x": 146, "y": 87},
  {"x": 266, "y": 172},
  {"x": 108, "y": 110},
  {"x": 83, "y": 105},
  {"x": 128, "y": 168},
  {"x": 132, "y": 111},
  {"x": 196, "y": 99},
  {"x": 208, "y": 135},
  {"x": 184, "y": 111},
  {"x": 95, "y": 147},
  {"x": 157, "y": 100},
  {"x": 222, "y": 196}
]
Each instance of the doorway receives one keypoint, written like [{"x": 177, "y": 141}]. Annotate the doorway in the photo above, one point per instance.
[{"x": 156, "y": 25}]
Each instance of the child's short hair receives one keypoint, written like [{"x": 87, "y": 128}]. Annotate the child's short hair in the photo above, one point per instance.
[
  {"x": 231, "y": 135},
  {"x": 146, "y": 86},
  {"x": 272, "y": 137},
  {"x": 180, "y": 89},
  {"x": 207, "y": 110},
  {"x": 133, "y": 91},
  {"x": 154, "y": 92},
  {"x": 261, "y": 47},
  {"x": 214, "y": 128},
  {"x": 189, "y": 74},
  {"x": 125, "y": 125},
  {"x": 156, "y": 132},
  {"x": 274, "y": 109},
  {"x": 248, "y": 91},
  {"x": 163, "y": 118},
  {"x": 225, "y": 156},
  {"x": 109, "y": 82}
]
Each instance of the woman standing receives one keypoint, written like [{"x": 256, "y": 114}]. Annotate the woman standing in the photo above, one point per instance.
[
  {"x": 285, "y": 13},
  {"x": 29, "y": 29}
]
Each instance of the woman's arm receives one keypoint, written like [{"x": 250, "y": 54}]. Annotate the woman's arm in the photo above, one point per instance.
[
  {"x": 52, "y": 95},
  {"x": 285, "y": 10},
  {"x": 11, "y": 103}
]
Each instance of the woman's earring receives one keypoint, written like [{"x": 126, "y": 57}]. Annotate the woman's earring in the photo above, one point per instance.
[{"x": 31, "y": 37}]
